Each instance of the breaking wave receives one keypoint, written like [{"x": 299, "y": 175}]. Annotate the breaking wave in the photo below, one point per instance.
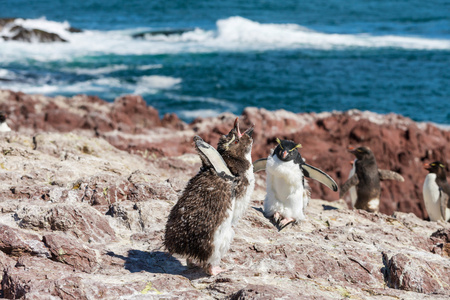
[{"x": 231, "y": 34}]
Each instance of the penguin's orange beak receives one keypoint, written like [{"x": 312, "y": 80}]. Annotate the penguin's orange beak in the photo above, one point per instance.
[
  {"x": 285, "y": 153},
  {"x": 426, "y": 166},
  {"x": 352, "y": 162}
]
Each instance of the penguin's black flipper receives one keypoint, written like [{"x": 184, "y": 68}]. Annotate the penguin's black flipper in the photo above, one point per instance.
[
  {"x": 319, "y": 175},
  {"x": 259, "y": 165},
  {"x": 210, "y": 157},
  {"x": 352, "y": 181},
  {"x": 390, "y": 175}
]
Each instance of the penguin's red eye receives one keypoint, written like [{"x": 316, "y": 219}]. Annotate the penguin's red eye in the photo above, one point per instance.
[{"x": 236, "y": 142}]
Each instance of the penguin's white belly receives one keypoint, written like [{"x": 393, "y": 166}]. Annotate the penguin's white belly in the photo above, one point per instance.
[
  {"x": 285, "y": 191},
  {"x": 447, "y": 214},
  {"x": 4, "y": 127},
  {"x": 284, "y": 188},
  {"x": 223, "y": 236},
  {"x": 352, "y": 191},
  {"x": 431, "y": 197},
  {"x": 373, "y": 204},
  {"x": 243, "y": 202}
]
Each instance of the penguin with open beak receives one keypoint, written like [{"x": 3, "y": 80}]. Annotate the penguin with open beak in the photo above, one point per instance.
[
  {"x": 199, "y": 226},
  {"x": 436, "y": 192},
  {"x": 288, "y": 192}
]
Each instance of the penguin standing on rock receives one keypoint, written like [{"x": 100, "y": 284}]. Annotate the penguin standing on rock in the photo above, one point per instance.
[
  {"x": 3, "y": 125},
  {"x": 199, "y": 226},
  {"x": 366, "y": 179},
  {"x": 288, "y": 192},
  {"x": 436, "y": 192}
]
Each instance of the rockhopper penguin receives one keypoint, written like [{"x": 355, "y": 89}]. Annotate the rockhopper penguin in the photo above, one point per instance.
[
  {"x": 199, "y": 226},
  {"x": 366, "y": 179},
  {"x": 3, "y": 125},
  {"x": 436, "y": 192},
  {"x": 287, "y": 189}
]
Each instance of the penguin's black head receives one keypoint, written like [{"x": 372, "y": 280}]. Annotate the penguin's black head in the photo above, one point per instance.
[
  {"x": 362, "y": 153},
  {"x": 436, "y": 167},
  {"x": 2, "y": 117},
  {"x": 235, "y": 144},
  {"x": 286, "y": 150}
]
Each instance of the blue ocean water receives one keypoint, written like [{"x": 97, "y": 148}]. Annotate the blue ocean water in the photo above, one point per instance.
[{"x": 302, "y": 56}]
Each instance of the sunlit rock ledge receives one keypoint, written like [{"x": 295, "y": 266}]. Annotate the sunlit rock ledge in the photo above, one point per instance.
[
  {"x": 129, "y": 124},
  {"x": 87, "y": 185}
]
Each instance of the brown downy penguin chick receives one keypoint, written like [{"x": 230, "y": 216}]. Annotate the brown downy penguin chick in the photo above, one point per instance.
[
  {"x": 235, "y": 149},
  {"x": 367, "y": 180},
  {"x": 199, "y": 226},
  {"x": 436, "y": 192}
]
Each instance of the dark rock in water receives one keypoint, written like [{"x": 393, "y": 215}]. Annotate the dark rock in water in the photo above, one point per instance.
[
  {"x": 74, "y": 30},
  {"x": 4, "y": 21},
  {"x": 20, "y": 33},
  {"x": 33, "y": 35},
  {"x": 165, "y": 32}
]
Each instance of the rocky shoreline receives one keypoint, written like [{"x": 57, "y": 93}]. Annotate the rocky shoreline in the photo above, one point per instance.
[{"x": 87, "y": 186}]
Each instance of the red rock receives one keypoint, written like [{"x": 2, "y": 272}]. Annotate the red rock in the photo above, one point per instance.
[
  {"x": 16, "y": 242},
  {"x": 33, "y": 274},
  {"x": 405, "y": 273},
  {"x": 440, "y": 242},
  {"x": 253, "y": 291},
  {"x": 38, "y": 278},
  {"x": 5, "y": 261},
  {"x": 129, "y": 124},
  {"x": 83, "y": 222},
  {"x": 71, "y": 251}
]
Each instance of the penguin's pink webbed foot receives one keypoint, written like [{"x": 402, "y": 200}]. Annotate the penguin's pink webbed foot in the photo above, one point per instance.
[
  {"x": 276, "y": 217},
  {"x": 214, "y": 270},
  {"x": 286, "y": 221}
]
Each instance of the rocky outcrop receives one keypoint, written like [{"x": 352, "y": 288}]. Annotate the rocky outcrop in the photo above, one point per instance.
[
  {"x": 128, "y": 123},
  {"x": 10, "y": 31},
  {"x": 80, "y": 219}
]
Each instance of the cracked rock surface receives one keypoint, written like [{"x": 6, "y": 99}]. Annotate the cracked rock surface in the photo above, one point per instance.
[{"x": 80, "y": 219}]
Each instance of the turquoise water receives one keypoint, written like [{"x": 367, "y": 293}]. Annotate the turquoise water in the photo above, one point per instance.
[{"x": 315, "y": 56}]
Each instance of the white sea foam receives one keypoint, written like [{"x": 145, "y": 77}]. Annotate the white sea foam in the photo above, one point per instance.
[
  {"x": 96, "y": 71},
  {"x": 231, "y": 34},
  {"x": 149, "y": 67},
  {"x": 155, "y": 83},
  {"x": 5, "y": 74},
  {"x": 209, "y": 100},
  {"x": 159, "y": 82},
  {"x": 204, "y": 113},
  {"x": 143, "y": 85}
]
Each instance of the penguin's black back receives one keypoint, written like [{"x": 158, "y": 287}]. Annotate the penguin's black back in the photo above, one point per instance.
[
  {"x": 441, "y": 177},
  {"x": 368, "y": 187},
  {"x": 200, "y": 210}
]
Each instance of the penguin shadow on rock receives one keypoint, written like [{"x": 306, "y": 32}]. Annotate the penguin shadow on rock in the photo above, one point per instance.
[
  {"x": 200, "y": 224},
  {"x": 155, "y": 262},
  {"x": 436, "y": 192},
  {"x": 363, "y": 182},
  {"x": 287, "y": 189}
]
